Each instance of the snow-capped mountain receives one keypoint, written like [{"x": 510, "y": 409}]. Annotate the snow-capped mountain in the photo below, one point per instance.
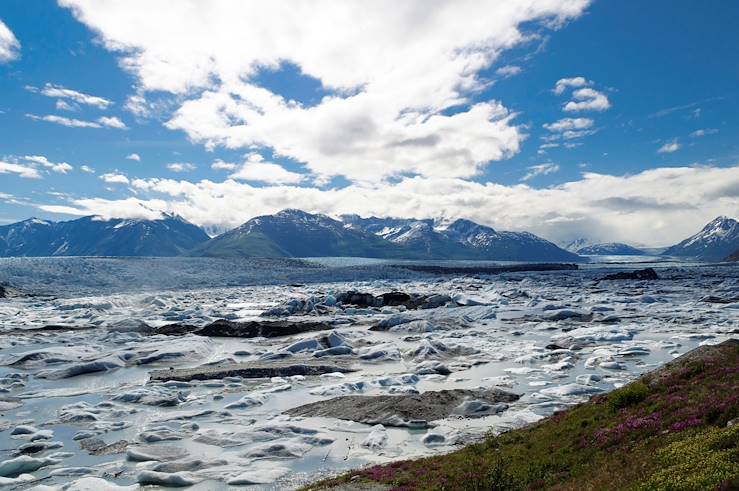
[
  {"x": 461, "y": 239},
  {"x": 295, "y": 233},
  {"x": 169, "y": 235},
  {"x": 30, "y": 237},
  {"x": 504, "y": 246},
  {"x": 610, "y": 249},
  {"x": 214, "y": 230},
  {"x": 577, "y": 244},
  {"x": 418, "y": 237},
  {"x": 289, "y": 233},
  {"x": 714, "y": 242}
]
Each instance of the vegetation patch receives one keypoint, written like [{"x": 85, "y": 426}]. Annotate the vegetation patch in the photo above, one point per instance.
[{"x": 669, "y": 430}]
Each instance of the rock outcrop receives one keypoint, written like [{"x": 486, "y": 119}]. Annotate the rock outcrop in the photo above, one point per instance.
[{"x": 412, "y": 410}]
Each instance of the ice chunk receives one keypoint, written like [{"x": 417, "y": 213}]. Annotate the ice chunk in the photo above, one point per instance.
[
  {"x": 376, "y": 439},
  {"x": 174, "y": 479},
  {"x": 24, "y": 464}
]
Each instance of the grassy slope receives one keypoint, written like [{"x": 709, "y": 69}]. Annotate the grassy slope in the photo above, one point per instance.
[
  {"x": 251, "y": 245},
  {"x": 666, "y": 431}
]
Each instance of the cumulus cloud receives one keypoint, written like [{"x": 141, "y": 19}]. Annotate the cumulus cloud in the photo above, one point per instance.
[
  {"x": 508, "y": 70},
  {"x": 102, "y": 122},
  {"x": 256, "y": 169},
  {"x": 112, "y": 122},
  {"x": 113, "y": 178},
  {"x": 25, "y": 171},
  {"x": 59, "y": 167},
  {"x": 389, "y": 71},
  {"x": 540, "y": 170},
  {"x": 134, "y": 156},
  {"x": 221, "y": 165},
  {"x": 573, "y": 82},
  {"x": 9, "y": 45},
  {"x": 587, "y": 99},
  {"x": 181, "y": 167},
  {"x": 59, "y": 92},
  {"x": 655, "y": 207},
  {"x": 669, "y": 147},
  {"x": 568, "y": 124},
  {"x": 87, "y": 169},
  {"x": 567, "y": 129}
]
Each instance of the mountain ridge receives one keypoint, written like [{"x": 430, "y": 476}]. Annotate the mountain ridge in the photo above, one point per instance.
[
  {"x": 295, "y": 233},
  {"x": 718, "y": 239},
  {"x": 169, "y": 235},
  {"x": 610, "y": 249}
]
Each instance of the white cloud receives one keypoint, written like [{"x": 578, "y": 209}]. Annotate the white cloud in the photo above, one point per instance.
[
  {"x": 59, "y": 167},
  {"x": 134, "y": 156},
  {"x": 390, "y": 70},
  {"x": 669, "y": 147},
  {"x": 62, "y": 105},
  {"x": 59, "y": 92},
  {"x": 508, "y": 70},
  {"x": 703, "y": 132},
  {"x": 588, "y": 99},
  {"x": 106, "y": 209},
  {"x": 181, "y": 167},
  {"x": 545, "y": 146},
  {"x": 85, "y": 168},
  {"x": 221, "y": 165},
  {"x": 566, "y": 124},
  {"x": 540, "y": 170},
  {"x": 9, "y": 45},
  {"x": 112, "y": 122},
  {"x": 656, "y": 207},
  {"x": 102, "y": 122},
  {"x": 564, "y": 83},
  {"x": 69, "y": 122},
  {"x": 255, "y": 169},
  {"x": 113, "y": 178},
  {"x": 27, "y": 172}
]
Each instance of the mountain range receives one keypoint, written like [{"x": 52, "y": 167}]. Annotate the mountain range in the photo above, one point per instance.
[
  {"x": 461, "y": 239},
  {"x": 295, "y": 233},
  {"x": 610, "y": 249},
  {"x": 170, "y": 235}
]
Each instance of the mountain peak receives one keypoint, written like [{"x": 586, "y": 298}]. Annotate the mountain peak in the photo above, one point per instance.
[
  {"x": 167, "y": 235},
  {"x": 722, "y": 221},
  {"x": 36, "y": 221},
  {"x": 293, "y": 212},
  {"x": 464, "y": 225},
  {"x": 715, "y": 241}
]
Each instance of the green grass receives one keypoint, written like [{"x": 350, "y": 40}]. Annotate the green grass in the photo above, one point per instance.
[
  {"x": 628, "y": 396},
  {"x": 666, "y": 432}
]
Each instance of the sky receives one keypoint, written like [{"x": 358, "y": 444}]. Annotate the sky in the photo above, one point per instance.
[{"x": 612, "y": 121}]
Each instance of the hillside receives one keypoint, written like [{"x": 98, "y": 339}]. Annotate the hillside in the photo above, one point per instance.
[
  {"x": 169, "y": 235},
  {"x": 294, "y": 233},
  {"x": 673, "y": 429}
]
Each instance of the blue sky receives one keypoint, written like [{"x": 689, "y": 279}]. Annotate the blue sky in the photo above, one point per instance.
[{"x": 156, "y": 109}]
